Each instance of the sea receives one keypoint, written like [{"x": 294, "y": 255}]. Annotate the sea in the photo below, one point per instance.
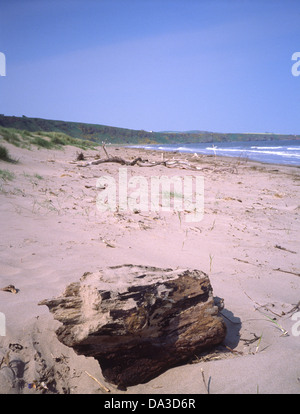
[{"x": 274, "y": 152}]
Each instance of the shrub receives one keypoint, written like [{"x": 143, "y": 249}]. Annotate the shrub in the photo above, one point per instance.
[{"x": 4, "y": 153}]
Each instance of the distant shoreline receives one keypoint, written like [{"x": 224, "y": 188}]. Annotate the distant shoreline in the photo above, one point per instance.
[
  {"x": 279, "y": 152},
  {"x": 99, "y": 133}
]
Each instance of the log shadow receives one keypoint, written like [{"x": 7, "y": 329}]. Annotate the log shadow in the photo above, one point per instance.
[{"x": 233, "y": 326}]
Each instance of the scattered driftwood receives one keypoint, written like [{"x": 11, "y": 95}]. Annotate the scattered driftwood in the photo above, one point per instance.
[
  {"x": 169, "y": 163},
  {"x": 138, "y": 321},
  {"x": 144, "y": 163},
  {"x": 80, "y": 156},
  {"x": 118, "y": 160},
  {"x": 9, "y": 288}
]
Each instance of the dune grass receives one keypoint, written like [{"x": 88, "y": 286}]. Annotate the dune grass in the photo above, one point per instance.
[
  {"x": 4, "y": 155},
  {"x": 6, "y": 175},
  {"x": 42, "y": 139}
]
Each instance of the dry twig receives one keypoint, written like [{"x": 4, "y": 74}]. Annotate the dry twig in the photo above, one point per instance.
[
  {"x": 204, "y": 382},
  {"x": 283, "y": 248},
  {"x": 103, "y": 387},
  {"x": 295, "y": 308},
  {"x": 286, "y": 271},
  {"x": 262, "y": 306},
  {"x": 233, "y": 350}
]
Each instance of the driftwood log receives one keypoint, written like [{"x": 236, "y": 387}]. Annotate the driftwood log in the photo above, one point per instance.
[
  {"x": 169, "y": 163},
  {"x": 143, "y": 163},
  {"x": 138, "y": 321},
  {"x": 173, "y": 163}
]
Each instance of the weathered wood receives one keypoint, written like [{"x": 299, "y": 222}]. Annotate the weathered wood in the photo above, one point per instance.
[
  {"x": 140, "y": 162},
  {"x": 138, "y": 321},
  {"x": 143, "y": 163},
  {"x": 118, "y": 160}
]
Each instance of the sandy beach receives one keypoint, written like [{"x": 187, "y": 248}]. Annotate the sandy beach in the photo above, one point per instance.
[{"x": 247, "y": 242}]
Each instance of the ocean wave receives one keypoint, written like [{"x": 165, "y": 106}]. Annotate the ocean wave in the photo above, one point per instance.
[
  {"x": 285, "y": 153},
  {"x": 254, "y": 147},
  {"x": 253, "y": 151},
  {"x": 226, "y": 149},
  {"x": 188, "y": 149},
  {"x": 280, "y": 153},
  {"x": 167, "y": 148}
]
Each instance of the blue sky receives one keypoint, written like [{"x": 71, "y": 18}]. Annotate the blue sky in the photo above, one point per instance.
[{"x": 216, "y": 65}]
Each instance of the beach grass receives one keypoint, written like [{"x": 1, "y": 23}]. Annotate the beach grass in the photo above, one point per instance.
[
  {"x": 4, "y": 154},
  {"x": 6, "y": 175},
  {"x": 42, "y": 139}
]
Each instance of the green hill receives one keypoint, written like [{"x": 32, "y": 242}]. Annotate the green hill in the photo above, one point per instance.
[{"x": 102, "y": 133}]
